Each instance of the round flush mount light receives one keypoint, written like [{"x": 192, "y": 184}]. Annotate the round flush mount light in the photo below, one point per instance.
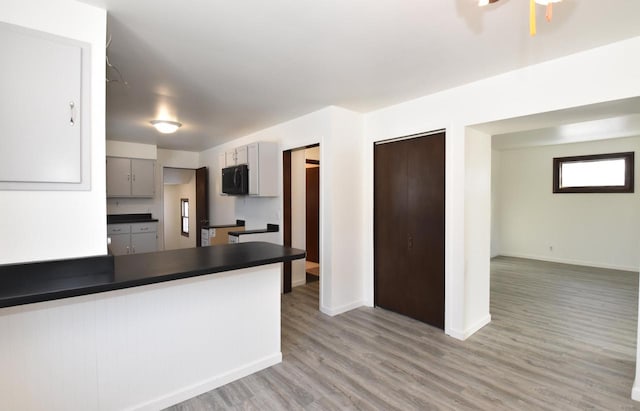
[{"x": 166, "y": 126}]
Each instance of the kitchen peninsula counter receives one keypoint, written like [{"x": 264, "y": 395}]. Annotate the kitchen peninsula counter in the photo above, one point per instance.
[
  {"x": 51, "y": 280},
  {"x": 138, "y": 332}
]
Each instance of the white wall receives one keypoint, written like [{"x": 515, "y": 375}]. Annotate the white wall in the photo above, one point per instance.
[
  {"x": 74, "y": 221},
  {"x": 173, "y": 194},
  {"x": 554, "y": 85},
  {"x": 339, "y": 133},
  {"x": 313, "y": 153},
  {"x": 298, "y": 215},
  {"x": 477, "y": 208},
  {"x": 495, "y": 203},
  {"x": 132, "y": 150},
  {"x": 598, "y": 230}
]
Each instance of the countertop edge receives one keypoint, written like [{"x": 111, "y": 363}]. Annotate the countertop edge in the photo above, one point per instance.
[{"x": 24, "y": 299}]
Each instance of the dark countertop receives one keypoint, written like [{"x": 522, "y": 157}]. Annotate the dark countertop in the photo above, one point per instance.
[
  {"x": 271, "y": 228},
  {"x": 52, "y": 280},
  {"x": 239, "y": 223},
  {"x": 130, "y": 218}
]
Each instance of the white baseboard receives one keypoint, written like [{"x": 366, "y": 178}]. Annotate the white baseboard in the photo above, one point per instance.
[
  {"x": 463, "y": 335},
  {"x": 457, "y": 334},
  {"x": 208, "y": 384},
  {"x": 342, "y": 309},
  {"x": 635, "y": 392},
  {"x": 572, "y": 262}
]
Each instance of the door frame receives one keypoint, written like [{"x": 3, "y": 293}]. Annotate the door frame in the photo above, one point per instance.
[
  {"x": 286, "y": 215},
  {"x": 206, "y": 187}
]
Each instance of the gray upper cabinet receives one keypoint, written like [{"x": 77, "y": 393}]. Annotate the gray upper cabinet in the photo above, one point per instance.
[
  {"x": 118, "y": 177},
  {"x": 130, "y": 177},
  {"x": 142, "y": 178},
  {"x": 44, "y": 112}
]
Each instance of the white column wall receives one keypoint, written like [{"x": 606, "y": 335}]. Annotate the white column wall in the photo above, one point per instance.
[{"x": 23, "y": 214}]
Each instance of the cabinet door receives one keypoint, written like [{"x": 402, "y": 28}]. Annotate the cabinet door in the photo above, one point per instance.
[
  {"x": 118, "y": 177},
  {"x": 40, "y": 128},
  {"x": 241, "y": 155},
  {"x": 120, "y": 244},
  {"x": 142, "y": 178},
  {"x": 230, "y": 158},
  {"x": 253, "y": 160},
  {"x": 143, "y": 243}
]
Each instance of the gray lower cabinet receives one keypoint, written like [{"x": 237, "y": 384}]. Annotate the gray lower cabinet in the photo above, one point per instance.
[
  {"x": 130, "y": 177},
  {"x": 134, "y": 238},
  {"x": 120, "y": 244}
]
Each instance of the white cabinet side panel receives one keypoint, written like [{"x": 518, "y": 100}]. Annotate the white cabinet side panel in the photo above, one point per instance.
[{"x": 140, "y": 348}]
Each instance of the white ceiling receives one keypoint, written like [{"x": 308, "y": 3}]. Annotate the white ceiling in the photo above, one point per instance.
[{"x": 228, "y": 68}]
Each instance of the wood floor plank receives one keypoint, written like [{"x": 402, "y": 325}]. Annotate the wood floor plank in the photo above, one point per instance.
[{"x": 562, "y": 337}]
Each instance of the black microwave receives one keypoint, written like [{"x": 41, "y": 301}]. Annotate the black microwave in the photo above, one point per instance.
[{"x": 235, "y": 180}]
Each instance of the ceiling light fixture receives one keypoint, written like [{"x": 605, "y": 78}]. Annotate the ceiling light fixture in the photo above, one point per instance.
[
  {"x": 532, "y": 11},
  {"x": 166, "y": 126}
]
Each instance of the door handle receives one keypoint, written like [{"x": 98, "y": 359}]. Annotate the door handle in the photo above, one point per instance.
[
  {"x": 72, "y": 119},
  {"x": 409, "y": 241}
]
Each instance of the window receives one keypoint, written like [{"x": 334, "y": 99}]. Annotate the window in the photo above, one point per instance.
[
  {"x": 184, "y": 214},
  {"x": 600, "y": 173}
]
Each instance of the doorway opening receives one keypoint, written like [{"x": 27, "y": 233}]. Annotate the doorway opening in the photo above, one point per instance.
[
  {"x": 301, "y": 178},
  {"x": 561, "y": 264},
  {"x": 185, "y": 206}
]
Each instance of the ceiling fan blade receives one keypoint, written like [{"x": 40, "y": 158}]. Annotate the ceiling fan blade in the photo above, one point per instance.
[{"x": 485, "y": 2}]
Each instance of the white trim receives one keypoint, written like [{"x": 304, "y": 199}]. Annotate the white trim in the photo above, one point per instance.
[
  {"x": 209, "y": 384},
  {"x": 457, "y": 334},
  {"x": 570, "y": 261},
  {"x": 477, "y": 326},
  {"x": 342, "y": 309},
  {"x": 409, "y": 137},
  {"x": 463, "y": 335},
  {"x": 635, "y": 392}
]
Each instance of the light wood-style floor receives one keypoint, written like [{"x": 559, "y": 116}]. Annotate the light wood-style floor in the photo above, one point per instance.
[{"x": 561, "y": 338}]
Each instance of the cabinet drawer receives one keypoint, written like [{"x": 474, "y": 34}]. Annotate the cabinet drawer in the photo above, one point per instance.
[
  {"x": 118, "y": 228},
  {"x": 143, "y": 228}
]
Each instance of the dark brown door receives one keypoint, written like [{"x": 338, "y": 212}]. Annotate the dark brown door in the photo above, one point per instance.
[
  {"x": 409, "y": 190},
  {"x": 313, "y": 214},
  {"x": 287, "y": 270},
  {"x": 202, "y": 202}
]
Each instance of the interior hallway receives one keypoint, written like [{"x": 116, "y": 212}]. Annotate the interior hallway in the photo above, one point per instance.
[{"x": 561, "y": 338}]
